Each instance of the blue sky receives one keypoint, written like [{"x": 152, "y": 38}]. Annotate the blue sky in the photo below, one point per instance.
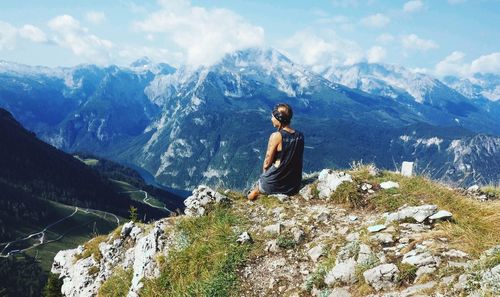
[{"x": 438, "y": 37}]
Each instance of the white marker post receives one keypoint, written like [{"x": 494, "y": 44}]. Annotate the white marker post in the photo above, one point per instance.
[{"x": 407, "y": 168}]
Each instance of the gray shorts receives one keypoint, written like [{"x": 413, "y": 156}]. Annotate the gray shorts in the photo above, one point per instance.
[{"x": 260, "y": 187}]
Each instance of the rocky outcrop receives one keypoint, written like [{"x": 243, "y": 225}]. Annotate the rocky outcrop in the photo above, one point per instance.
[
  {"x": 304, "y": 246},
  {"x": 201, "y": 199}
]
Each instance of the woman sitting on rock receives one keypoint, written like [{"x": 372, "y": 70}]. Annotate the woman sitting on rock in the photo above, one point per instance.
[{"x": 282, "y": 168}]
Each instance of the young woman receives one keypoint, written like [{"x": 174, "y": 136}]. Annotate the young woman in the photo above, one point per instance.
[{"x": 282, "y": 168}]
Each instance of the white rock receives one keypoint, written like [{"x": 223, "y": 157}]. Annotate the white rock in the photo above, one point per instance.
[
  {"x": 340, "y": 292},
  {"x": 145, "y": 264},
  {"x": 418, "y": 213},
  {"x": 316, "y": 252},
  {"x": 306, "y": 192},
  {"x": 375, "y": 228},
  {"x": 442, "y": 214},
  {"x": 410, "y": 291},
  {"x": 244, "y": 238},
  {"x": 344, "y": 273},
  {"x": 424, "y": 270},
  {"x": 365, "y": 255},
  {"x": 127, "y": 227},
  {"x": 352, "y": 217},
  {"x": 272, "y": 246},
  {"x": 329, "y": 180},
  {"x": 382, "y": 277},
  {"x": 280, "y": 197},
  {"x": 415, "y": 258},
  {"x": 473, "y": 188},
  {"x": 197, "y": 203},
  {"x": 455, "y": 254},
  {"x": 298, "y": 234},
  {"x": 352, "y": 236},
  {"x": 273, "y": 229},
  {"x": 136, "y": 232},
  {"x": 384, "y": 238},
  {"x": 77, "y": 280},
  {"x": 389, "y": 185}
]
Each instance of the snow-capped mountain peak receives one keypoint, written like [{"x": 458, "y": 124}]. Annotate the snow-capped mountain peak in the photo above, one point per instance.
[{"x": 383, "y": 79}]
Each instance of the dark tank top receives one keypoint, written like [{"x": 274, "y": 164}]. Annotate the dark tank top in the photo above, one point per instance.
[{"x": 287, "y": 177}]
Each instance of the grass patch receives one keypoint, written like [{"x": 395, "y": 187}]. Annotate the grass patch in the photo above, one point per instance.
[
  {"x": 407, "y": 274},
  {"x": 474, "y": 227},
  {"x": 491, "y": 191},
  {"x": 93, "y": 270},
  {"x": 207, "y": 265},
  {"x": 348, "y": 193},
  {"x": 117, "y": 284},
  {"x": 91, "y": 248},
  {"x": 268, "y": 201},
  {"x": 286, "y": 241},
  {"x": 317, "y": 278}
]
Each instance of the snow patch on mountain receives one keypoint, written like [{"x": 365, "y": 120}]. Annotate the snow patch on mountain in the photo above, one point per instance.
[
  {"x": 382, "y": 79},
  {"x": 477, "y": 86}
]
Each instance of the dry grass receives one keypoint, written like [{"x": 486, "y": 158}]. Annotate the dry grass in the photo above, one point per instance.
[
  {"x": 91, "y": 248},
  {"x": 207, "y": 265},
  {"x": 475, "y": 226},
  {"x": 117, "y": 284}
]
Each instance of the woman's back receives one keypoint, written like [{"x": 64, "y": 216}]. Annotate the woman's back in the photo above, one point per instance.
[{"x": 287, "y": 177}]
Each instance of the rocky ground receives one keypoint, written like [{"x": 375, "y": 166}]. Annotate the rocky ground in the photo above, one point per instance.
[{"x": 306, "y": 245}]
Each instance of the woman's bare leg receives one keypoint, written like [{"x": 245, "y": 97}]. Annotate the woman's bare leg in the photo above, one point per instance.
[{"x": 254, "y": 194}]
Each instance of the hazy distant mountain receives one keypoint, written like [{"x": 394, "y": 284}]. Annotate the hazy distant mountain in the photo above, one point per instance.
[
  {"x": 210, "y": 125},
  {"x": 476, "y": 87}
]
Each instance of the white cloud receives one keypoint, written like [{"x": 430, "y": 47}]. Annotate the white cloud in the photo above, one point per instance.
[
  {"x": 375, "y": 21},
  {"x": 70, "y": 34},
  {"x": 413, "y": 5},
  {"x": 385, "y": 38},
  {"x": 204, "y": 35},
  {"x": 320, "y": 52},
  {"x": 95, "y": 17},
  {"x": 32, "y": 33},
  {"x": 7, "y": 36},
  {"x": 487, "y": 64},
  {"x": 412, "y": 41},
  {"x": 375, "y": 54},
  {"x": 345, "y": 3},
  {"x": 454, "y": 64}
]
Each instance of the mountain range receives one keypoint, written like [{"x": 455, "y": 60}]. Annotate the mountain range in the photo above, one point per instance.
[{"x": 210, "y": 124}]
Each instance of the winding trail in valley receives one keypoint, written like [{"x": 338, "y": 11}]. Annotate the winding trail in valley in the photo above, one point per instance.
[
  {"x": 41, "y": 233},
  {"x": 146, "y": 198}
]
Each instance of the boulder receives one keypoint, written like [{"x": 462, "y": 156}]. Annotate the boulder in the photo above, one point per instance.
[
  {"x": 375, "y": 228},
  {"x": 418, "y": 213},
  {"x": 442, "y": 214},
  {"x": 244, "y": 238},
  {"x": 316, "y": 252},
  {"x": 382, "y": 277},
  {"x": 329, "y": 180},
  {"x": 344, "y": 273},
  {"x": 201, "y": 198}
]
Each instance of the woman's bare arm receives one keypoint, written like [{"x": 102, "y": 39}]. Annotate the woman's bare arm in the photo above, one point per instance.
[{"x": 272, "y": 146}]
